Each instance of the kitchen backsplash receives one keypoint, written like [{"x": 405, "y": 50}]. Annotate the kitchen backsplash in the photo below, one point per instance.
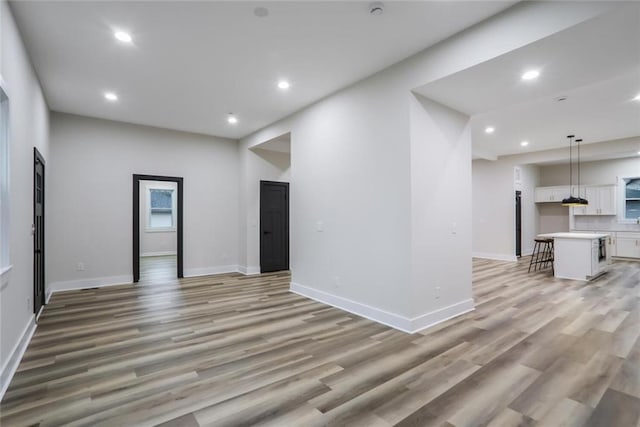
[{"x": 602, "y": 223}]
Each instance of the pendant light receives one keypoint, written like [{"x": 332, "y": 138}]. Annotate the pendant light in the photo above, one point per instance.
[{"x": 574, "y": 200}]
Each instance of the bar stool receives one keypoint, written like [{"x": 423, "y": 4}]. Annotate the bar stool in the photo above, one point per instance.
[{"x": 542, "y": 254}]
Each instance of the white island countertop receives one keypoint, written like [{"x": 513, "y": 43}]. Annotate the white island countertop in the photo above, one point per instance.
[
  {"x": 579, "y": 256},
  {"x": 587, "y": 236}
]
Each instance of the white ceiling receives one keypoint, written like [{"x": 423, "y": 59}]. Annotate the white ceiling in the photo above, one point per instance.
[
  {"x": 596, "y": 65},
  {"x": 191, "y": 63}
]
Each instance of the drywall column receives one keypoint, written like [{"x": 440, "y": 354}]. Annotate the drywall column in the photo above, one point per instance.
[
  {"x": 349, "y": 199},
  {"x": 440, "y": 212}
]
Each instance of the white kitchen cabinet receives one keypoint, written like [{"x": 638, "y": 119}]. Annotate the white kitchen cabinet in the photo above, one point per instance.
[
  {"x": 601, "y": 198},
  {"x": 551, "y": 194},
  {"x": 627, "y": 245},
  {"x": 607, "y": 199}
]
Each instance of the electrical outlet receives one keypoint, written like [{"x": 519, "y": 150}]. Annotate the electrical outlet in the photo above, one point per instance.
[
  {"x": 336, "y": 282},
  {"x": 80, "y": 266},
  {"x": 29, "y": 305},
  {"x": 437, "y": 292}
]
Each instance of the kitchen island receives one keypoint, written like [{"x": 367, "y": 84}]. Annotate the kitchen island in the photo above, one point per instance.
[{"x": 579, "y": 256}]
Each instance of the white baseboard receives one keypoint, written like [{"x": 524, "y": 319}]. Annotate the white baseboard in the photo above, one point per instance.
[
  {"x": 206, "y": 271},
  {"x": 165, "y": 253},
  {"x": 442, "y": 315},
  {"x": 10, "y": 366},
  {"x": 496, "y": 257},
  {"x": 396, "y": 321},
  {"x": 96, "y": 282},
  {"x": 248, "y": 271}
]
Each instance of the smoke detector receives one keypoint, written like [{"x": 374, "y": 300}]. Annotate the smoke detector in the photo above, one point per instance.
[{"x": 376, "y": 8}]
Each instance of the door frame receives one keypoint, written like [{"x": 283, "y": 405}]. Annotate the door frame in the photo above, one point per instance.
[
  {"x": 38, "y": 157},
  {"x": 136, "y": 220},
  {"x": 287, "y": 225}
]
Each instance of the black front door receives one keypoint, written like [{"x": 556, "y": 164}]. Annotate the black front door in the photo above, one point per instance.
[
  {"x": 274, "y": 226},
  {"x": 518, "y": 223},
  {"x": 38, "y": 231}
]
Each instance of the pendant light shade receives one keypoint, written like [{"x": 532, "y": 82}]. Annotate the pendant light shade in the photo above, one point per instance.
[{"x": 574, "y": 200}]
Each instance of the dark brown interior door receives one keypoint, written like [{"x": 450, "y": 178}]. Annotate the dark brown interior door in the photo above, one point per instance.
[
  {"x": 38, "y": 231},
  {"x": 274, "y": 226}
]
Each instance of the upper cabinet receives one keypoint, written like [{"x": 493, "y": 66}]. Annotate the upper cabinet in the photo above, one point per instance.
[
  {"x": 551, "y": 194},
  {"x": 602, "y": 200}
]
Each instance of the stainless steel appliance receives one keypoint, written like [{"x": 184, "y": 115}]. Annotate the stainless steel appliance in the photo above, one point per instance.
[{"x": 599, "y": 260}]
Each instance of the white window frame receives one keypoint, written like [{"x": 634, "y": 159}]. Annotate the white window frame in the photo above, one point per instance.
[
  {"x": 5, "y": 165},
  {"x": 622, "y": 205},
  {"x": 161, "y": 186}
]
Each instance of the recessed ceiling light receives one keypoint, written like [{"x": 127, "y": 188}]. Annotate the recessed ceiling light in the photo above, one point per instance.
[
  {"x": 110, "y": 96},
  {"x": 489, "y": 129},
  {"x": 261, "y": 12},
  {"x": 376, "y": 8},
  {"x": 638, "y": 153},
  {"x": 283, "y": 84},
  {"x": 123, "y": 37},
  {"x": 524, "y": 143},
  {"x": 637, "y": 98},
  {"x": 232, "y": 119},
  {"x": 530, "y": 75}
]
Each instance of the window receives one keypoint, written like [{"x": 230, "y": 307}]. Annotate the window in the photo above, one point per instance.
[
  {"x": 5, "y": 260},
  {"x": 161, "y": 208},
  {"x": 631, "y": 198}
]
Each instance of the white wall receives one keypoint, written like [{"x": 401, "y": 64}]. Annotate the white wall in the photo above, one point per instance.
[
  {"x": 91, "y": 196},
  {"x": 156, "y": 242},
  {"x": 530, "y": 224},
  {"x": 592, "y": 173},
  {"x": 552, "y": 218},
  {"x": 29, "y": 127},
  {"x": 493, "y": 208}
]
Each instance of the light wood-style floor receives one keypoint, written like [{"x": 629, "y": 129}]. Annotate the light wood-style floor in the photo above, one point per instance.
[
  {"x": 158, "y": 269},
  {"x": 234, "y": 350}
]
